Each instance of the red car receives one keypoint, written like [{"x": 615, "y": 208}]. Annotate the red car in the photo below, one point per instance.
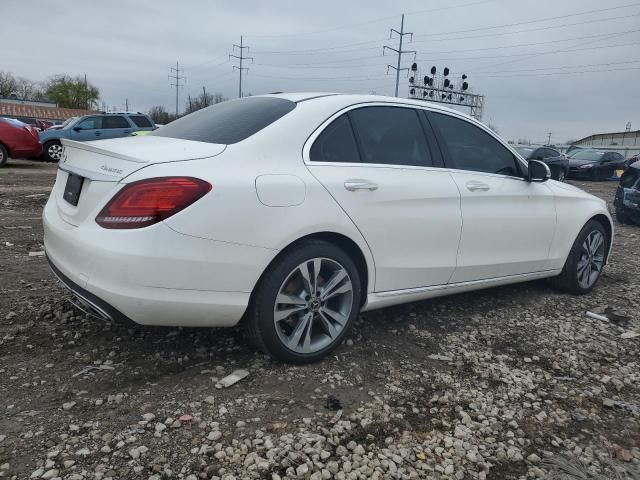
[{"x": 18, "y": 140}]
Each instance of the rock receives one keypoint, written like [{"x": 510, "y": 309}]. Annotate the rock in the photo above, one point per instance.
[
  {"x": 147, "y": 417},
  {"x": 232, "y": 379},
  {"x": 210, "y": 400},
  {"x": 53, "y": 473},
  {"x": 68, "y": 405}
]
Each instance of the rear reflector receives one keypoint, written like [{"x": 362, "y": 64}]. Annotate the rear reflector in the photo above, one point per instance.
[{"x": 145, "y": 202}]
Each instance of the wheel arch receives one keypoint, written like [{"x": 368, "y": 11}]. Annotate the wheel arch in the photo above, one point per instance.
[
  {"x": 340, "y": 240},
  {"x": 607, "y": 224}
]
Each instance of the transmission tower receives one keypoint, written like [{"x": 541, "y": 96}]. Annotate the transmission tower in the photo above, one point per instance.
[
  {"x": 241, "y": 58},
  {"x": 176, "y": 77},
  {"x": 399, "y": 50}
]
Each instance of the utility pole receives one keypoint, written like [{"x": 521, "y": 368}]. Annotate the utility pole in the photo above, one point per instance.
[
  {"x": 399, "y": 50},
  {"x": 549, "y": 138},
  {"x": 176, "y": 77},
  {"x": 204, "y": 97},
  {"x": 190, "y": 106},
  {"x": 86, "y": 93},
  {"x": 126, "y": 104},
  {"x": 241, "y": 58}
]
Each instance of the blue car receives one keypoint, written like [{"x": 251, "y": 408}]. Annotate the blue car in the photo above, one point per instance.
[{"x": 93, "y": 127}]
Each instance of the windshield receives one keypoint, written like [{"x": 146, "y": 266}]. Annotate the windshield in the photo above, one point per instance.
[
  {"x": 525, "y": 152},
  {"x": 588, "y": 155},
  {"x": 228, "y": 122},
  {"x": 68, "y": 121}
]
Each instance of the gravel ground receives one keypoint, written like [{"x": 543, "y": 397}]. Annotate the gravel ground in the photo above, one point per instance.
[{"x": 514, "y": 382}]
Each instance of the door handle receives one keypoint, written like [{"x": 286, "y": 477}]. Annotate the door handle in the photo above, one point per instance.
[
  {"x": 97, "y": 134},
  {"x": 357, "y": 184},
  {"x": 475, "y": 186}
]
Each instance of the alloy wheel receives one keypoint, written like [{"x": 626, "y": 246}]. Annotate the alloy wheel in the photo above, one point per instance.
[
  {"x": 55, "y": 151},
  {"x": 591, "y": 259},
  {"x": 313, "y": 305}
]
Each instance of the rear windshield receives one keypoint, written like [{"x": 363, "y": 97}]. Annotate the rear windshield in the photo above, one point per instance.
[
  {"x": 588, "y": 155},
  {"x": 141, "y": 121},
  {"x": 228, "y": 122}
]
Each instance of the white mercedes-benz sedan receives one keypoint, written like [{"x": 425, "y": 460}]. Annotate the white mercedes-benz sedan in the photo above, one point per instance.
[{"x": 291, "y": 213}]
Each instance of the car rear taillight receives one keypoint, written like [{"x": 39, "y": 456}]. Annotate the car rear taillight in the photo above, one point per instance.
[{"x": 145, "y": 202}]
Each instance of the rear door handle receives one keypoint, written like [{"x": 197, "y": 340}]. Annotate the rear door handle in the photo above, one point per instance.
[
  {"x": 98, "y": 134},
  {"x": 475, "y": 186},
  {"x": 356, "y": 184}
]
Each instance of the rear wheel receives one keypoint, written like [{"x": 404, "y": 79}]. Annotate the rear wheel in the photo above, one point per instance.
[
  {"x": 585, "y": 261},
  {"x": 52, "y": 151},
  {"x": 305, "y": 303},
  {"x": 4, "y": 155},
  {"x": 561, "y": 175}
]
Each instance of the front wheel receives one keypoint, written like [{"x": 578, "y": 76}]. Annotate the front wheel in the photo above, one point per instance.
[
  {"x": 562, "y": 175},
  {"x": 585, "y": 261},
  {"x": 306, "y": 303},
  {"x": 52, "y": 151}
]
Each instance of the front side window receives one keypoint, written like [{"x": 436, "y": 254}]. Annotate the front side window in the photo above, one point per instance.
[
  {"x": 471, "y": 148},
  {"x": 90, "y": 123},
  {"x": 115, "y": 122},
  {"x": 336, "y": 143},
  {"x": 391, "y": 136}
]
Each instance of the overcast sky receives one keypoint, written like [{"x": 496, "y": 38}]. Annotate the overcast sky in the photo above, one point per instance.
[{"x": 572, "y": 76}]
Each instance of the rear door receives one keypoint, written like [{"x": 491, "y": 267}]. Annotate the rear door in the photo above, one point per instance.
[
  {"x": 116, "y": 126},
  {"x": 379, "y": 165},
  {"x": 508, "y": 222}
]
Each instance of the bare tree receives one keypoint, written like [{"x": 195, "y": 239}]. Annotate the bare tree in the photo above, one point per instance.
[
  {"x": 203, "y": 100},
  {"x": 160, "y": 115},
  {"x": 8, "y": 84}
]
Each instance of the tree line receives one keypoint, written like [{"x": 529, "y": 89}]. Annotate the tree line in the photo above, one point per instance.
[{"x": 76, "y": 92}]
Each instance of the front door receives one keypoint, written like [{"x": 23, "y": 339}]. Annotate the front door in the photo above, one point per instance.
[
  {"x": 508, "y": 222},
  {"x": 377, "y": 163},
  {"x": 87, "y": 129}
]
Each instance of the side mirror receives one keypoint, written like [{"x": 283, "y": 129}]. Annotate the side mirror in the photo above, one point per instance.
[
  {"x": 77, "y": 129},
  {"x": 538, "y": 171}
]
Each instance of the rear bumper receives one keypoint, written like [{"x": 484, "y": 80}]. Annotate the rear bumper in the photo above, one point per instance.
[{"x": 153, "y": 276}]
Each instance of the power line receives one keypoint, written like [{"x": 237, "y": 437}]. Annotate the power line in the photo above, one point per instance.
[
  {"x": 176, "y": 78},
  {"x": 241, "y": 58},
  {"x": 532, "y": 21},
  {"x": 399, "y": 50}
]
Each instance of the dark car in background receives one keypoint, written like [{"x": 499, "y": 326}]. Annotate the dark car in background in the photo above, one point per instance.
[
  {"x": 627, "y": 199},
  {"x": 93, "y": 127},
  {"x": 17, "y": 140},
  {"x": 558, "y": 163},
  {"x": 595, "y": 164}
]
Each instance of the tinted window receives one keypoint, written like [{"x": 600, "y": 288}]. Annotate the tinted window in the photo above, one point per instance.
[
  {"x": 588, "y": 155},
  {"x": 228, "y": 122},
  {"x": 115, "y": 122},
  {"x": 90, "y": 123},
  {"x": 471, "y": 148},
  {"x": 550, "y": 153},
  {"x": 630, "y": 177},
  {"x": 336, "y": 143},
  {"x": 141, "y": 121},
  {"x": 391, "y": 136}
]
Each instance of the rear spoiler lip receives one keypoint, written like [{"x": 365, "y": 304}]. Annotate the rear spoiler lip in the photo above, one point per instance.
[{"x": 103, "y": 151}]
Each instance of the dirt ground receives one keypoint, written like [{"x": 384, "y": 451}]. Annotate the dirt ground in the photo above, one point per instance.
[{"x": 502, "y": 383}]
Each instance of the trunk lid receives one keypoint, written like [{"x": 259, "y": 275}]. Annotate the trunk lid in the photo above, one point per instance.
[{"x": 103, "y": 164}]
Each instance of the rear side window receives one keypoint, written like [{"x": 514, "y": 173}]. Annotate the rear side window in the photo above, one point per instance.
[
  {"x": 141, "y": 121},
  {"x": 391, "y": 136},
  {"x": 336, "y": 143},
  {"x": 228, "y": 122},
  {"x": 115, "y": 122},
  {"x": 471, "y": 148}
]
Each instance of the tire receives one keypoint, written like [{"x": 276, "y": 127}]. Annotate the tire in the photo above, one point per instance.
[
  {"x": 291, "y": 339},
  {"x": 4, "y": 156},
  {"x": 562, "y": 175},
  {"x": 569, "y": 279},
  {"x": 595, "y": 175},
  {"x": 52, "y": 151},
  {"x": 622, "y": 217}
]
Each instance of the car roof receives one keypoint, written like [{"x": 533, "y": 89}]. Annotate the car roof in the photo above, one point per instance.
[{"x": 351, "y": 99}]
